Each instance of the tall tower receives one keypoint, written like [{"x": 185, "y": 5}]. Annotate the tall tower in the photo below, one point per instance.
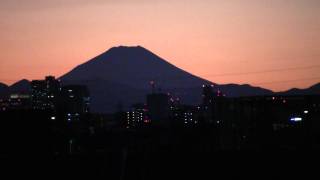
[
  {"x": 44, "y": 93},
  {"x": 207, "y": 95},
  {"x": 158, "y": 105}
]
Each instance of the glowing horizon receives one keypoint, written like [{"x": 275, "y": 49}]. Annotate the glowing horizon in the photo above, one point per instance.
[{"x": 238, "y": 41}]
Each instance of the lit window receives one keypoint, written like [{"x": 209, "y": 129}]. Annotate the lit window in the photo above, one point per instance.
[
  {"x": 53, "y": 118},
  {"x": 296, "y": 119}
]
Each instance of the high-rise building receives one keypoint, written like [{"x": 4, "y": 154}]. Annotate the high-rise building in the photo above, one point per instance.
[
  {"x": 4, "y": 104},
  {"x": 44, "y": 93},
  {"x": 207, "y": 103},
  {"x": 159, "y": 108},
  {"x": 138, "y": 116},
  {"x": 207, "y": 95},
  {"x": 19, "y": 101},
  {"x": 185, "y": 115},
  {"x": 74, "y": 101}
]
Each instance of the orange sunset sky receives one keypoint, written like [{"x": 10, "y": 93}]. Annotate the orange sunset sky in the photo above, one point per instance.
[{"x": 270, "y": 43}]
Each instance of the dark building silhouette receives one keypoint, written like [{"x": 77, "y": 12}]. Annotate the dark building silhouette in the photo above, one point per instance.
[
  {"x": 184, "y": 115},
  {"x": 45, "y": 93},
  {"x": 138, "y": 116},
  {"x": 207, "y": 95},
  {"x": 158, "y": 105},
  {"x": 4, "y": 104},
  {"x": 207, "y": 103},
  {"x": 97, "y": 145},
  {"x": 74, "y": 101},
  {"x": 19, "y": 101},
  {"x": 63, "y": 104}
]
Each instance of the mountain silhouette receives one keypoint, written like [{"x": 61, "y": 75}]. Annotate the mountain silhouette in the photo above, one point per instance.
[
  {"x": 22, "y": 86},
  {"x": 315, "y": 89},
  {"x": 3, "y": 86},
  {"x": 134, "y": 67},
  {"x": 122, "y": 75},
  {"x": 3, "y": 90}
]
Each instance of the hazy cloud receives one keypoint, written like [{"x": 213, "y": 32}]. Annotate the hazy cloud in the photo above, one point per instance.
[
  {"x": 42, "y": 4},
  {"x": 34, "y": 5}
]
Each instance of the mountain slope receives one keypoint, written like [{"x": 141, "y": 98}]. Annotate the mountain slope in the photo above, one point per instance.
[
  {"x": 315, "y": 89},
  {"x": 3, "y": 86},
  {"x": 122, "y": 74},
  {"x": 108, "y": 96},
  {"x": 135, "y": 67},
  {"x": 22, "y": 86},
  {"x": 235, "y": 90},
  {"x": 3, "y": 90}
]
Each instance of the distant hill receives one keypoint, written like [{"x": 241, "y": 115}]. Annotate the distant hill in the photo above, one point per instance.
[
  {"x": 3, "y": 86},
  {"x": 315, "y": 89},
  {"x": 3, "y": 90},
  {"x": 235, "y": 90},
  {"x": 122, "y": 74},
  {"x": 22, "y": 86}
]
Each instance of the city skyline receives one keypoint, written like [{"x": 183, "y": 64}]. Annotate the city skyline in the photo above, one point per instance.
[
  {"x": 159, "y": 89},
  {"x": 267, "y": 43}
]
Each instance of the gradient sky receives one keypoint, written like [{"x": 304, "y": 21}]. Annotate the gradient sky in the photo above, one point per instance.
[{"x": 230, "y": 41}]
